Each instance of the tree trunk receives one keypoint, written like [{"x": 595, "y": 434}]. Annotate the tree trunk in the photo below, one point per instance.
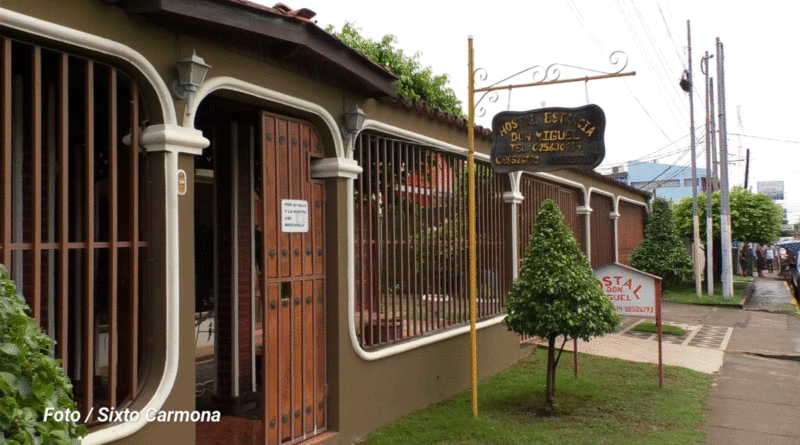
[{"x": 550, "y": 389}]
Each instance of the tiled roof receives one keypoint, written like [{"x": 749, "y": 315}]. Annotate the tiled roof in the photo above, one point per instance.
[
  {"x": 304, "y": 14},
  {"x": 424, "y": 108}
]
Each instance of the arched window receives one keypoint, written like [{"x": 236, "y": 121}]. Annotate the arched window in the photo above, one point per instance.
[{"x": 72, "y": 219}]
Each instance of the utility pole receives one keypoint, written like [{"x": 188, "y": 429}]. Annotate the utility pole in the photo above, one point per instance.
[
  {"x": 698, "y": 268},
  {"x": 725, "y": 211},
  {"x": 746, "y": 169},
  {"x": 709, "y": 184},
  {"x": 739, "y": 137},
  {"x": 713, "y": 135}
]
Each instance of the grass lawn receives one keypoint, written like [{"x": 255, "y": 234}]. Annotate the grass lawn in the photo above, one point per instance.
[
  {"x": 688, "y": 295},
  {"x": 610, "y": 402},
  {"x": 790, "y": 309},
  {"x": 653, "y": 329}
]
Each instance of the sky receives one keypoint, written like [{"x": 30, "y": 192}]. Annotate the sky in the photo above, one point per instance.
[{"x": 647, "y": 115}]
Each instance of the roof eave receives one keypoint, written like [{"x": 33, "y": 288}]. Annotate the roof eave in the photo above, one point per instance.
[{"x": 290, "y": 41}]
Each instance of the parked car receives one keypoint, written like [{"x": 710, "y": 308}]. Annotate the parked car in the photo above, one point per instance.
[{"x": 790, "y": 266}]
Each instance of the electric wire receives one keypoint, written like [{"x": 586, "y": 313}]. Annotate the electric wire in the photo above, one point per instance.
[
  {"x": 654, "y": 70},
  {"x": 651, "y": 154},
  {"x": 763, "y": 138},
  {"x": 582, "y": 21},
  {"x": 680, "y": 170}
]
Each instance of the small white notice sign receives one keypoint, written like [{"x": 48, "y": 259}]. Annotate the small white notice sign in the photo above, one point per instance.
[{"x": 294, "y": 215}]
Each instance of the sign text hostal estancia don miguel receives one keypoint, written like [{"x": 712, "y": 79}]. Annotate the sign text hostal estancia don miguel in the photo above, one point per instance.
[{"x": 548, "y": 139}]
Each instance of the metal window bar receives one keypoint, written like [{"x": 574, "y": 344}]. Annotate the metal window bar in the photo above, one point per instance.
[
  {"x": 603, "y": 237},
  {"x": 535, "y": 192},
  {"x": 55, "y": 209},
  {"x": 411, "y": 240},
  {"x": 5, "y": 140}
]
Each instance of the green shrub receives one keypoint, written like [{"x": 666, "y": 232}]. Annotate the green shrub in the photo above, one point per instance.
[
  {"x": 661, "y": 252},
  {"x": 30, "y": 380}
]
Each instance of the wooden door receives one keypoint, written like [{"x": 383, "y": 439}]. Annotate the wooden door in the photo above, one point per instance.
[{"x": 291, "y": 268}]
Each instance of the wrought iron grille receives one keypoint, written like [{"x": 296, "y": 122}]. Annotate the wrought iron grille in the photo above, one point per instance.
[
  {"x": 72, "y": 229},
  {"x": 411, "y": 240},
  {"x": 535, "y": 192}
]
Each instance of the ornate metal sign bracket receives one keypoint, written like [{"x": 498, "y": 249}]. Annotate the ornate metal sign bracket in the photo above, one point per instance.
[
  {"x": 541, "y": 76},
  {"x": 549, "y": 75}
]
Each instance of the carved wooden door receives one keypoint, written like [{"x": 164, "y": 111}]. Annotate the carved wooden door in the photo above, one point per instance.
[{"x": 289, "y": 214}]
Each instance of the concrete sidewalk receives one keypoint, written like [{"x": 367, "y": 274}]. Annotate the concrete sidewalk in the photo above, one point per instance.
[
  {"x": 624, "y": 344},
  {"x": 756, "y": 397},
  {"x": 641, "y": 350}
]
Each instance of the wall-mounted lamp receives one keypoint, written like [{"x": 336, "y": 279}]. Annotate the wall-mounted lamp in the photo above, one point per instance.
[
  {"x": 191, "y": 73},
  {"x": 353, "y": 122}
]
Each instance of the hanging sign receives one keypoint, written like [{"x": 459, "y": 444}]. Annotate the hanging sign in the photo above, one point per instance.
[
  {"x": 294, "y": 216},
  {"x": 548, "y": 139}
]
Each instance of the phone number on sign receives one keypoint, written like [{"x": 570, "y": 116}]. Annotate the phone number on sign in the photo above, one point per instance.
[{"x": 647, "y": 310}]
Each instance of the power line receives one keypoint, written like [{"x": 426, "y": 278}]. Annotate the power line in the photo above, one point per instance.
[
  {"x": 764, "y": 138},
  {"x": 652, "y": 66},
  {"x": 600, "y": 47},
  {"x": 669, "y": 33},
  {"x": 655, "y": 155}
]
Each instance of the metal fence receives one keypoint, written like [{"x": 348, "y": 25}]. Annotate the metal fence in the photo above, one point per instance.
[{"x": 411, "y": 240}]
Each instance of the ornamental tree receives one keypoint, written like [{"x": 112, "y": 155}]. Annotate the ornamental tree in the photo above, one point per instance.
[
  {"x": 556, "y": 293},
  {"x": 662, "y": 252},
  {"x": 31, "y": 381},
  {"x": 754, "y": 216}
]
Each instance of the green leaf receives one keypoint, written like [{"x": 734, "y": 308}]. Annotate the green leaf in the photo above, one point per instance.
[
  {"x": 9, "y": 348},
  {"x": 30, "y": 380}
]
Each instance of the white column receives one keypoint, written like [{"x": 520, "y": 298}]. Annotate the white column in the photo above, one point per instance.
[
  {"x": 514, "y": 198},
  {"x": 586, "y": 211},
  {"x": 614, "y": 220}
]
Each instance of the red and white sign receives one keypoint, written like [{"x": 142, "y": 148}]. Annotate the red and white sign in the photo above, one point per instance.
[{"x": 632, "y": 291}]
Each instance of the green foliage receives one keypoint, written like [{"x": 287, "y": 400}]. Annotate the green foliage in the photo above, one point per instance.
[
  {"x": 30, "y": 380},
  {"x": 662, "y": 252},
  {"x": 556, "y": 292},
  {"x": 413, "y": 81},
  {"x": 754, "y": 216},
  {"x": 653, "y": 329}
]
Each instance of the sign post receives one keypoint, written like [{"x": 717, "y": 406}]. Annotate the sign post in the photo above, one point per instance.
[
  {"x": 573, "y": 159},
  {"x": 473, "y": 274},
  {"x": 637, "y": 293}
]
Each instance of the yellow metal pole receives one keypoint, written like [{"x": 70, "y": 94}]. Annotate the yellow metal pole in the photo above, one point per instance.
[{"x": 473, "y": 337}]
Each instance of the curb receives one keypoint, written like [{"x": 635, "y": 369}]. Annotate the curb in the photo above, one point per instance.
[
  {"x": 751, "y": 290},
  {"x": 792, "y": 357},
  {"x": 794, "y": 300}
]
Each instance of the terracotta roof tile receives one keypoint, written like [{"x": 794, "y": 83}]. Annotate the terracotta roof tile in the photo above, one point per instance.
[
  {"x": 304, "y": 14},
  {"x": 424, "y": 108}
]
